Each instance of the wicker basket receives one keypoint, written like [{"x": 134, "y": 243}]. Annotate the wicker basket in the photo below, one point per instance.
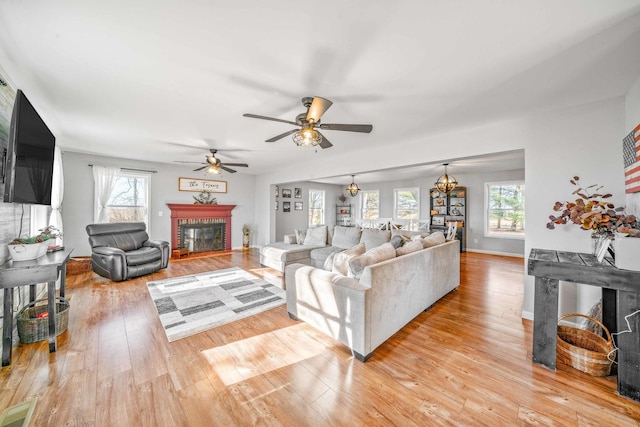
[
  {"x": 32, "y": 329},
  {"x": 585, "y": 350}
]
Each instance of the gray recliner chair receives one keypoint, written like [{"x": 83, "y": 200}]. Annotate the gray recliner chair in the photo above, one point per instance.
[{"x": 122, "y": 250}]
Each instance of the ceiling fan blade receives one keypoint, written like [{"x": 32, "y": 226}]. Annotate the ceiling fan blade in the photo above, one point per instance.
[
  {"x": 273, "y": 119},
  {"x": 227, "y": 169},
  {"x": 184, "y": 161},
  {"x": 318, "y": 108},
  {"x": 199, "y": 169},
  {"x": 282, "y": 135},
  {"x": 243, "y": 165},
  {"x": 325, "y": 142},
  {"x": 346, "y": 127}
]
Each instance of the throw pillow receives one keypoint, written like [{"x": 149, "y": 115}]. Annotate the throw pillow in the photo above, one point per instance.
[
  {"x": 328, "y": 263},
  {"x": 316, "y": 236},
  {"x": 373, "y": 238},
  {"x": 378, "y": 254},
  {"x": 397, "y": 241},
  {"x": 341, "y": 259},
  {"x": 345, "y": 237},
  {"x": 301, "y": 233},
  {"x": 414, "y": 246},
  {"x": 434, "y": 239}
]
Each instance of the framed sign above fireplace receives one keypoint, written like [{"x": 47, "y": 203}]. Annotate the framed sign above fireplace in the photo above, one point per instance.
[{"x": 200, "y": 185}]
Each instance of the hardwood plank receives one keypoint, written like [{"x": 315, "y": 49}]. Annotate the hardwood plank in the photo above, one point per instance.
[{"x": 466, "y": 361}]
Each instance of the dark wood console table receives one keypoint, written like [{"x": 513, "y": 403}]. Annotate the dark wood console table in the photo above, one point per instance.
[
  {"x": 620, "y": 297},
  {"x": 29, "y": 273}
]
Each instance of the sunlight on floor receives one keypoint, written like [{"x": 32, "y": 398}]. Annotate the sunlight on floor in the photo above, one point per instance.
[{"x": 250, "y": 357}]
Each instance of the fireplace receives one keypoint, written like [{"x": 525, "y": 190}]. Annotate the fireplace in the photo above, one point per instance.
[
  {"x": 201, "y": 228},
  {"x": 201, "y": 235}
]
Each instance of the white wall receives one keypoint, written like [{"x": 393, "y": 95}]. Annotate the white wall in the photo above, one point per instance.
[
  {"x": 632, "y": 119},
  {"x": 287, "y": 222},
  {"x": 584, "y": 141},
  {"x": 77, "y": 206}
]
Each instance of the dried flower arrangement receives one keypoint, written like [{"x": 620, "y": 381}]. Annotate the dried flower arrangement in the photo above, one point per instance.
[{"x": 592, "y": 212}]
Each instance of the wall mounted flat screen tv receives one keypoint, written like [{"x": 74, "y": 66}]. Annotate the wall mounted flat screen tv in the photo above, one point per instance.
[{"x": 28, "y": 170}]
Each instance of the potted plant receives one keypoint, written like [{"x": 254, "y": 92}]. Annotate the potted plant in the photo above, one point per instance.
[
  {"x": 28, "y": 248},
  {"x": 246, "y": 237}
]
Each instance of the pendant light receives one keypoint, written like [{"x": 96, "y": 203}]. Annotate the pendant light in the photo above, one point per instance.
[
  {"x": 353, "y": 187},
  {"x": 446, "y": 183}
]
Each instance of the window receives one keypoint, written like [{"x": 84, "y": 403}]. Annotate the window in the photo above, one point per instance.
[
  {"x": 316, "y": 207},
  {"x": 129, "y": 199},
  {"x": 504, "y": 213},
  {"x": 370, "y": 204},
  {"x": 407, "y": 203}
]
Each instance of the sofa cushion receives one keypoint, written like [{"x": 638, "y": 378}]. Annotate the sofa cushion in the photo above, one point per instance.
[
  {"x": 341, "y": 259},
  {"x": 378, "y": 254},
  {"x": 345, "y": 237},
  {"x": 300, "y": 233},
  {"x": 414, "y": 246},
  {"x": 285, "y": 252},
  {"x": 372, "y": 238},
  {"x": 319, "y": 255},
  {"x": 434, "y": 239},
  {"x": 316, "y": 236},
  {"x": 143, "y": 255}
]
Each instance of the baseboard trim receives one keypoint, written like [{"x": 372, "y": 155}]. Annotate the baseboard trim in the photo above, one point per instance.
[
  {"x": 480, "y": 251},
  {"x": 527, "y": 315}
]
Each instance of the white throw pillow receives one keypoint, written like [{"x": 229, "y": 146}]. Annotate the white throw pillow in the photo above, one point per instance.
[
  {"x": 316, "y": 236},
  {"x": 434, "y": 239},
  {"x": 301, "y": 233},
  {"x": 409, "y": 247},
  {"x": 378, "y": 254},
  {"x": 341, "y": 259}
]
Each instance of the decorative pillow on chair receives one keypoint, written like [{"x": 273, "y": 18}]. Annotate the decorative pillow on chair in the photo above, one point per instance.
[
  {"x": 434, "y": 239},
  {"x": 316, "y": 236},
  {"x": 301, "y": 233},
  {"x": 341, "y": 259},
  {"x": 378, "y": 254}
]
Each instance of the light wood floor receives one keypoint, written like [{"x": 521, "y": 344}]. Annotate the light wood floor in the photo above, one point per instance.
[{"x": 466, "y": 361}]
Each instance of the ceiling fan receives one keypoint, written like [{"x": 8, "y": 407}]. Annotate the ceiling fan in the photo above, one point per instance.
[
  {"x": 214, "y": 165},
  {"x": 307, "y": 134}
]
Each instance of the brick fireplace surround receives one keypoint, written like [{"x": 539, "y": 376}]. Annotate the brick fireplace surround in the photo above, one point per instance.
[{"x": 199, "y": 211}]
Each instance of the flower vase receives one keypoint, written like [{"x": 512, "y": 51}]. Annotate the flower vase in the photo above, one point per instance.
[{"x": 246, "y": 239}]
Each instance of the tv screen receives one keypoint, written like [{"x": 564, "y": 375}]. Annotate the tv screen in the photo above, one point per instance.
[{"x": 29, "y": 163}]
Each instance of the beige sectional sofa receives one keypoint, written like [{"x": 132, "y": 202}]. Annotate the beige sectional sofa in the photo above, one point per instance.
[{"x": 366, "y": 309}]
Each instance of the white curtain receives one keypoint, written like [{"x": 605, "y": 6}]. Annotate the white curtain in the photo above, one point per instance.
[
  {"x": 57, "y": 192},
  {"x": 104, "y": 179}
]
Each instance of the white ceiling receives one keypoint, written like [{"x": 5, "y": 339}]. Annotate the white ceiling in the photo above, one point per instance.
[{"x": 166, "y": 81}]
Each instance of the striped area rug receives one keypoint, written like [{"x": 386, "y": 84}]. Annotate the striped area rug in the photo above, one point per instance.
[{"x": 191, "y": 304}]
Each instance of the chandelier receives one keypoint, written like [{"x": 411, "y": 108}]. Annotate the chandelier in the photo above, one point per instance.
[
  {"x": 446, "y": 183},
  {"x": 353, "y": 187},
  {"x": 307, "y": 137}
]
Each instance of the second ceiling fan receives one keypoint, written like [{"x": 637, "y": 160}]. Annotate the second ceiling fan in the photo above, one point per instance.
[
  {"x": 307, "y": 133},
  {"x": 214, "y": 165}
]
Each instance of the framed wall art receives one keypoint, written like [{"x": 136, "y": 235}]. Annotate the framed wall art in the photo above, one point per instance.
[
  {"x": 297, "y": 206},
  {"x": 286, "y": 193},
  {"x": 297, "y": 193},
  {"x": 286, "y": 206},
  {"x": 200, "y": 185}
]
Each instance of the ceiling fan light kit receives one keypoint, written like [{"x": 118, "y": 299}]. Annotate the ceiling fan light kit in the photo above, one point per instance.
[
  {"x": 308, "y": 134},
  {"x": 446, "y": 183},
  {"x": 307, "y": 138},
  {"x": 353, "y": 188}
]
